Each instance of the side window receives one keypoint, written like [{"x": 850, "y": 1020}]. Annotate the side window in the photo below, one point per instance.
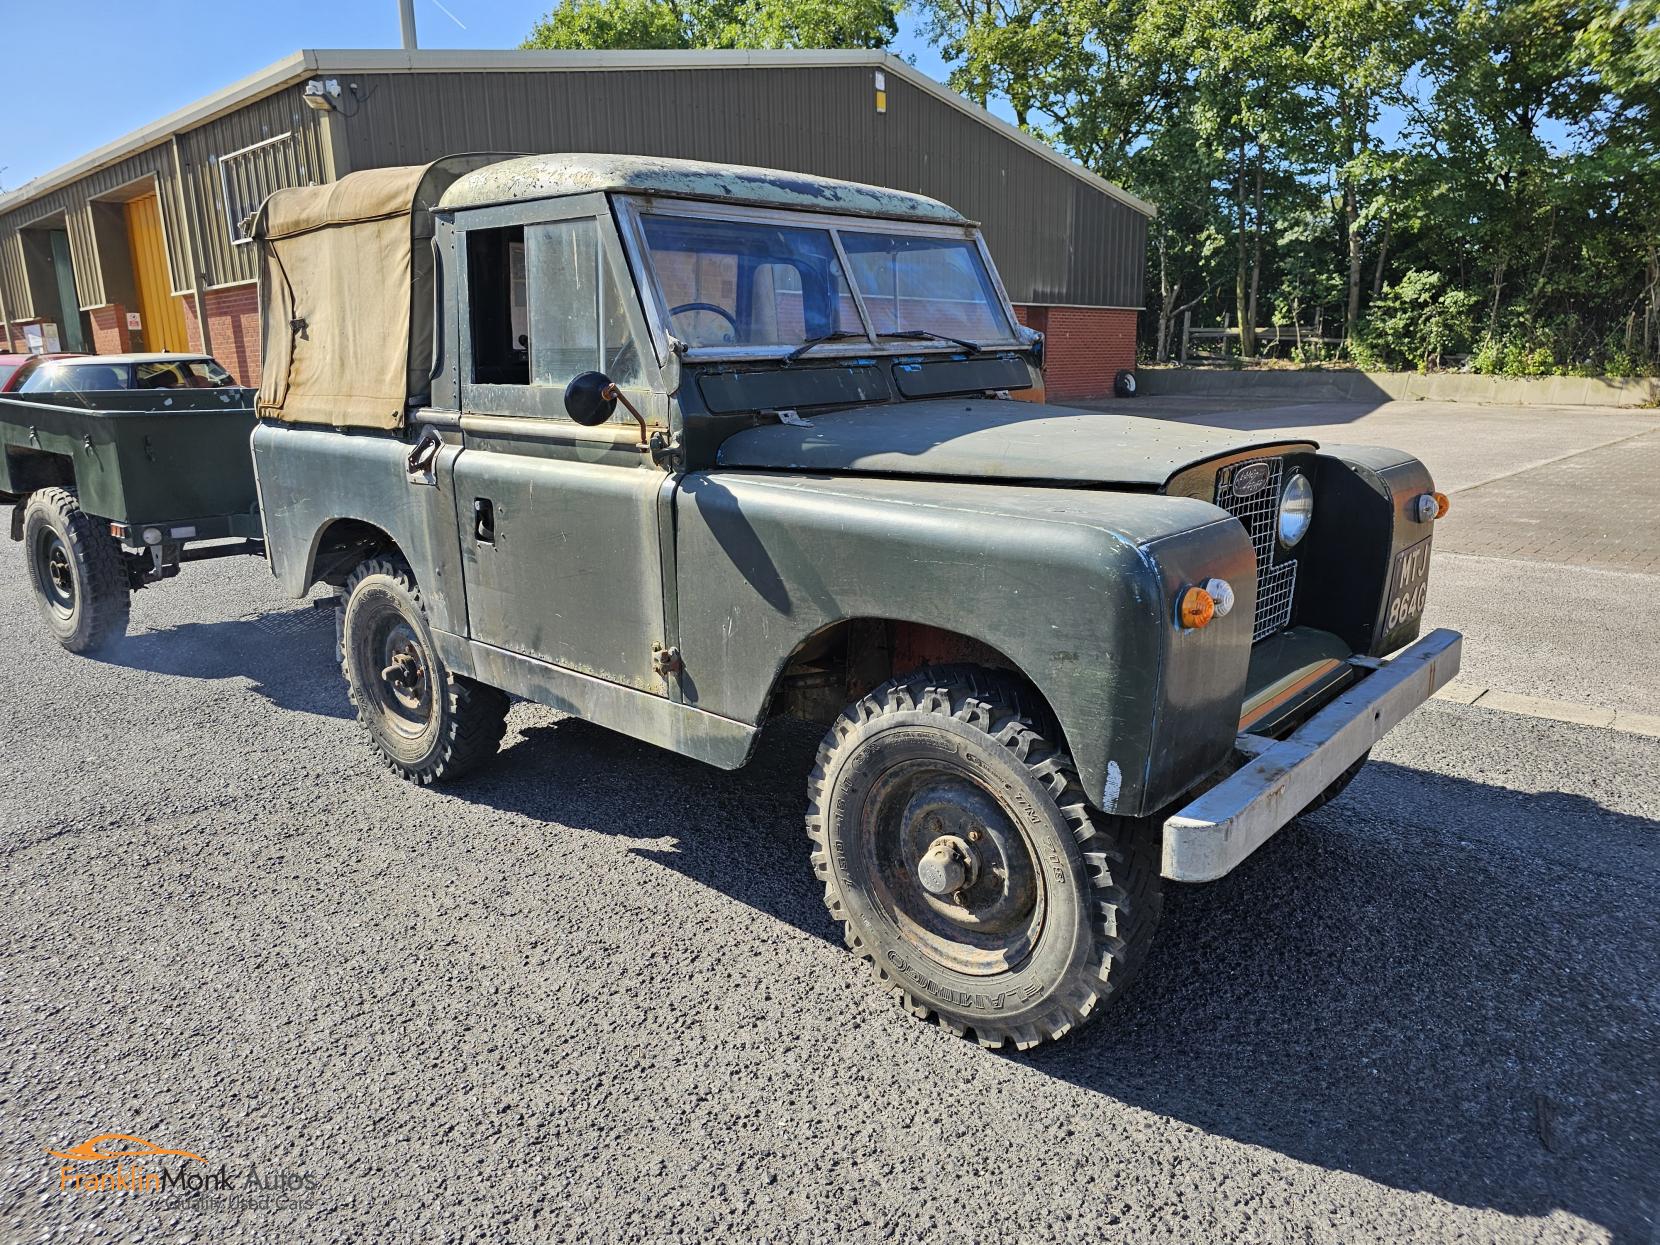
[
  {"x": 497, "y": 294},
  {"x": 546, "y": 306}
]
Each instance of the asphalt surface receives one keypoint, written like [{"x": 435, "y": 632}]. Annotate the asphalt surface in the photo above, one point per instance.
[{"x": 593, "y": 994}]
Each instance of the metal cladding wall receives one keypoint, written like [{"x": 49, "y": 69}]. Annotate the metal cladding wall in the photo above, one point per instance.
[
  {"x": 219, "y": 262},
  {"x": 305, "y": 161},
  {"x": 1060, "y": 238},
  {"x": 1056, "y": 239},
  {"x": 72, "y": 204}
]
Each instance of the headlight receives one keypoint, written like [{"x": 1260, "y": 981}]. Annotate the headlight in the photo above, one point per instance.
[{"x": 1296, "y": 509}]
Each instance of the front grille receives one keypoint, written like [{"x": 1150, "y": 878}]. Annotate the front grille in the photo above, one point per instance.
[{"x": 1259, "y": 512}]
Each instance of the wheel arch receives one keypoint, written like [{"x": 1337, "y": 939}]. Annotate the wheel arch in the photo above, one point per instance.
[
  {"x": 27, "y": 471},
  {"x": 339, "y": 545},
  {"x": 842, "y": 660}
]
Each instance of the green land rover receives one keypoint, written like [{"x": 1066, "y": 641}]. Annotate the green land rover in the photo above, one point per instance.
[{"x": 679, "y": 447}]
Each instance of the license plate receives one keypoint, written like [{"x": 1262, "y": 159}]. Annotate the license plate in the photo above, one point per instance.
[{"x": 1408, "y": 585}]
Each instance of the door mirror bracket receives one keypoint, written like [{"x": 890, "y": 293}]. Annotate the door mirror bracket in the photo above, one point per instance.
[{"x": 592, "y": 397}]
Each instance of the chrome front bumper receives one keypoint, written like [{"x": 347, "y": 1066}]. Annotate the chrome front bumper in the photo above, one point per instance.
[{"x": 1231, "y": 820}]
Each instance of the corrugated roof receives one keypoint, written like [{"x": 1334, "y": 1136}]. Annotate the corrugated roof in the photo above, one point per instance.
[{"x": 311, "y": 63}]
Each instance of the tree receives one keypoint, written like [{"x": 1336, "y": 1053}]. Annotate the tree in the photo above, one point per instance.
[
  {"x": 1356, "y": 61},
  {"x": 718, "y": 24}
]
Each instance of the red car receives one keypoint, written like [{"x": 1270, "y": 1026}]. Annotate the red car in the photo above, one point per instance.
[{"x": 15, "y": 368}]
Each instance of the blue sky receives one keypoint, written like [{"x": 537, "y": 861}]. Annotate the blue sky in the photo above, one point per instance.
[{"x": 124, "y": 75}]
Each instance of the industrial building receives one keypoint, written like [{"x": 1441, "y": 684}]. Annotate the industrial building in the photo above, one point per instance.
[{"x": 141, "y": 244}]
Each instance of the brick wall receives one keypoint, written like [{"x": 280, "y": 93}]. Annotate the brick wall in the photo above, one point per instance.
[
  {"x": 1084, "y": 347},
  {"x": 233, "y": 326},
  {"x": 109, "y": 329}
]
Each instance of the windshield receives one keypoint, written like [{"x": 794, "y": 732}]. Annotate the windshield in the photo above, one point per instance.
[
  {"x": 745, "y": 284},
  {"x": 929, "y": 285},
  {"x": 733, "y": 283},
  {"x": 183, "y": 374},
  {"x": 77, "y": 378},
  {"x": 104, "y": 377}
]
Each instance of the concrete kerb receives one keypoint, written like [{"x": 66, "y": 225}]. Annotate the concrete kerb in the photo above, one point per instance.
[{"x": 1354, "y": 386}]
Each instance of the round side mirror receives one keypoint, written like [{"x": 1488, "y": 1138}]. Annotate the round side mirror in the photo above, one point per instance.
[{"x": 590, "y": 399}]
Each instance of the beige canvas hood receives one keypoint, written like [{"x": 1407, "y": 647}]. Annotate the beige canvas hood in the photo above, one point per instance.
[{"x": 346, "y": 294}]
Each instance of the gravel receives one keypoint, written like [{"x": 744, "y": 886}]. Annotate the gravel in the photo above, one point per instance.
[{"x": 593, "y": 993}]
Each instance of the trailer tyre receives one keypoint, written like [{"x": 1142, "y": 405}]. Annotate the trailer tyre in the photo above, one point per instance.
[
  {"x": 77, "y": 571},
  {"x": 428, "y": 724},
  {"x": 957, "y": 849}
]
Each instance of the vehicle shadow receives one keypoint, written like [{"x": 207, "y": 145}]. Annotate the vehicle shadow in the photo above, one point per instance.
[
  {"x": 288, "y": 654},
  {"x": 1479, "y": 1022}
]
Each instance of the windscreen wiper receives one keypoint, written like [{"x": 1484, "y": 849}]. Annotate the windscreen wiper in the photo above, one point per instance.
[
  {"x": 837, "y": 336},
  {"x": 928, "y": 335}
]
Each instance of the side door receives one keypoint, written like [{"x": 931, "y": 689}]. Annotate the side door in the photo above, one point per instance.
[{"x": 558, "y": 522}]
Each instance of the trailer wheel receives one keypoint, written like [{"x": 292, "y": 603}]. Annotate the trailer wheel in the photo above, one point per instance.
[
  {"x": 959, "y": 852},
  {"x": 75, "y": 565},
  {"x": 428, "y": 724}
]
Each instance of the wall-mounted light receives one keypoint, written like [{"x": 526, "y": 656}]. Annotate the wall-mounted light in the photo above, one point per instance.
[{"x": 321, "y": 94}]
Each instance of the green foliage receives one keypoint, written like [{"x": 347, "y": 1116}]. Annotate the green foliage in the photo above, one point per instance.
[
  {"x": 1417, "y": 321},
  {"x": 1317, "y": 162},
  {"x": 669, "y": 24},
  {"x": 610, "y": 24},
  {"x": 1397, "y": 181}
]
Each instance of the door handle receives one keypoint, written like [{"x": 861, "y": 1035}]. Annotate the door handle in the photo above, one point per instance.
[{"x": 484, "y": 520}]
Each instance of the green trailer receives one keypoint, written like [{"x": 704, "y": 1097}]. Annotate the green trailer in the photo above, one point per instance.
[{"x": 114, "y": 491}]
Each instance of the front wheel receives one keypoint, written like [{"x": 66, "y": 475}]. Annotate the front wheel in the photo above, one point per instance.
[
  {"x": 76, "y": 570},
  {"x": 958, "y": 851},
  {"x": 428, "y": 724}
]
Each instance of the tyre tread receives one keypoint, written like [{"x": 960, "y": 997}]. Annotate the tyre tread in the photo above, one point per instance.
[
  {"x": 108, "y": 596},
  {"x": 1121, "y": 860},
  {"x": 476, "y": 719}
]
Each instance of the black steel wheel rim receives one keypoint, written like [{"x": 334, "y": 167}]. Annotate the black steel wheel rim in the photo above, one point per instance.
[
  {"x": 991, "y": 923},
  {"x": 397, "y": 672},
  {"x": 55, "y": 572}
]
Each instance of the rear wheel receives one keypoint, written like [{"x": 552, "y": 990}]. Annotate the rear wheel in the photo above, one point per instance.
[
  {"x": 956, "y": 847},
  {"x": 428, "y": 724},
  {"x": 75, "y": 566}
]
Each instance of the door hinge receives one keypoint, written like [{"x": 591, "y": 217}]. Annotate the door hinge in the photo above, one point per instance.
[{"x": 665, "y": 661}]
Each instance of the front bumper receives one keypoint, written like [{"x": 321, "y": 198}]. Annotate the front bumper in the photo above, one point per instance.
[{"x": 1208, "y": 837}]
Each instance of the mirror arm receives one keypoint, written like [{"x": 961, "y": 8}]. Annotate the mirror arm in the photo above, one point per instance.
[{"x": 612, "y": 393}]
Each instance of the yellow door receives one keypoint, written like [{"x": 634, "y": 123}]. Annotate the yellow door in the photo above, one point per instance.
[{"x": 162, "y": 314}]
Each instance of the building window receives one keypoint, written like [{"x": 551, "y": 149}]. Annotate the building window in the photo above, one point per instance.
[{"x": 249, "y": 175}]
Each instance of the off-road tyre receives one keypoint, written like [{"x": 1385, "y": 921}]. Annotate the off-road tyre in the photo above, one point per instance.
[
  {"x": 1099, "y": 874},
  {"x": 434, "y": 735},
  {"x": 77, "y": 572},
  {"x": 1337, "y": 786}
]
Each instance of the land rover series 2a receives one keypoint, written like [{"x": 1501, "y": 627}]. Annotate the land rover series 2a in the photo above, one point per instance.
[{"x": 679, "y": 447}]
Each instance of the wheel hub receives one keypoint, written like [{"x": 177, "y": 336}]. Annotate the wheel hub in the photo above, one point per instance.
[
  {"x": 58, "y": 569},
  {"x": 954, "y": 867},
  {"x": 405, "y": 675},
  {"x": 948, "y": 866}
]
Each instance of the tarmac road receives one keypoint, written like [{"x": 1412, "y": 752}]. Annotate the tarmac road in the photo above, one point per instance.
[{"x": 593, "y": 993}]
